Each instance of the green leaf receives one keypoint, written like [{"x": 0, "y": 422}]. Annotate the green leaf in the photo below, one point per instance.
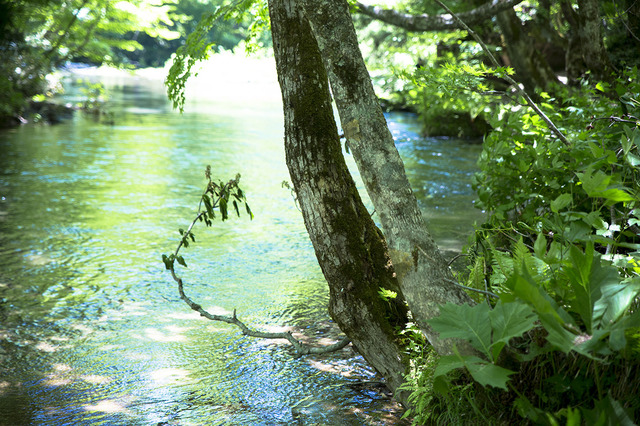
[
  {"x": 181, "y": 261},
  {"x": 448, "y": 363},
  {"x": 614, "y": 195},
  {"x": 633, "y": 160},
  {"x": 526, "y": 288},
  {"x": 465, "y": 322},
  {"x": 246, "y": 206},
  {"x": 223, "y": 209},
  {"x": 235, "y": 207},
  {"x": 482, "y": 372},
  {"x": 208, "y": 206},
  {"x": 608, "y": 412},
  {"x": 616, "y": 298},
  {"x": 626, "y": 144},
  {"x": 168, "y": 261},
  {"x": 617, "y": 337},
  {"x": 540, "y": 246},
  {"x": 552, "y": 316},
  {"x": 509, "y": 320},
  {"x": 441, "y": 385},
  {"x": 579, "y": 272},
  {"x": 557, "y": 335},
  {"x": 561, "y": 202},
  {"x": 597, "y": 185},
  {"x": 488, "y": 374},
  {"x": 600, "y": 297}
]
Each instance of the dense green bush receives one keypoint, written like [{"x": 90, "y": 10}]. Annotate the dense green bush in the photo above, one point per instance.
[{"x": 559, "y": 340}]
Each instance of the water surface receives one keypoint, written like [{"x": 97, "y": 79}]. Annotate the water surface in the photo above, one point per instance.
[{"x": 92, "y": 331}]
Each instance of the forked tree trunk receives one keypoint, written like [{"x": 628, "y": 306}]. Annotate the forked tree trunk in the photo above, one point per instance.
[
  {"x": 424, "y": 275},
  {"x": 350, "y": 249}
]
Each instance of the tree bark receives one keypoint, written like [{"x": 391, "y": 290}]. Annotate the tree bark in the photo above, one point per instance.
[
  {"x": 632, "y": 9},
  {"x": 350, "y": 249},
  {"x": 424, "y": 275},
  {"x": 531, "y": 67},
  {"x": 436, "y": 22},
  {"x": 586, "y": 51}
]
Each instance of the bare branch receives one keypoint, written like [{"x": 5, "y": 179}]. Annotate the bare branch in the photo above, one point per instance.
[
  {"x": 300, "y": 348},
  {"x": 443, "y": 22},
  {"x": 485, "y": 292}
]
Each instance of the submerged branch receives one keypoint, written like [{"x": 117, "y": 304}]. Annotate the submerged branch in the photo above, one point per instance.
[{"x": 300, "y": 348}]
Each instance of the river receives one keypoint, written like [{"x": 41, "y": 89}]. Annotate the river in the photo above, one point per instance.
[{"x": 92, "y": 331}]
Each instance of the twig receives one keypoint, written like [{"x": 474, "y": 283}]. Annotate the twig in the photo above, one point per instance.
[
  {"x": 510, "y": 80},
  {"x": 456, "y": 257},
  {"x": 300, "y": 348},
  {"x": 488, "y": 293},
  {"x": 613, "y": 119}
]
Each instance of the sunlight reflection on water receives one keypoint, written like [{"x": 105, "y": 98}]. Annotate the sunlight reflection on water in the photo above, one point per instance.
[{"x": 93, "y": 331}]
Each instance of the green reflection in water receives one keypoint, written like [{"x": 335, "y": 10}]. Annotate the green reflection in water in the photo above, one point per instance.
[{"x": 92, "y": 330}]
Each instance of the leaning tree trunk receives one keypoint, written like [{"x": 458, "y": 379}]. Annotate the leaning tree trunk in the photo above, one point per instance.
[
  {"x": 424, "y": 275},
  {"x": 350, "y": 249}
]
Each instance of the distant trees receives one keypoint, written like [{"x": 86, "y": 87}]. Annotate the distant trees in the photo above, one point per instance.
[
  {"x": 185, "y": 15},
  {"x": 37, "y": 36},
  {"x": 540, "y": 39}
]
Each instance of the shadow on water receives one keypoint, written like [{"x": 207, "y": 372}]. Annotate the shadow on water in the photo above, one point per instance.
[{"x": 91, "y": 329}]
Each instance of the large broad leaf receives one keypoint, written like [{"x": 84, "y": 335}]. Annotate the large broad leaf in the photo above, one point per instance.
[
  {"x": 579, "y": 274},
  {"x": 525, "y": 287},
  {"x": 448, "y": 363},
  {"x": 509, "y": 320},
  {"x": 615, "y": 300},
  {"x": 488, "y": 374},
  {"x": 465, "y": 322},
  {"x": 483, "y": 372},
  {"x": 562, "y": 201},
  {"x": 617, "y": 338},
  {"x": 552, "y": 316},
  {"x": 597, "y": 185},
  {"x": 557, "y": 334},
  {"x": 608, "y": 412},
  {"x": 600, "y": 296}
]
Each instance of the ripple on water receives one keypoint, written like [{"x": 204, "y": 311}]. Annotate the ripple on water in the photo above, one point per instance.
[{"x": 93, "y": 331}]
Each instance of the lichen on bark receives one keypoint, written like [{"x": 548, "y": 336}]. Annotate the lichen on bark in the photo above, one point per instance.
[
  {"x": 350, "y": 250},
  {"x": 427, "y": 281}
]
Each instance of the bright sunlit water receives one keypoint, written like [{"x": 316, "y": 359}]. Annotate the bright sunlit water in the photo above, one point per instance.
[{"x": 92, "y": 331}]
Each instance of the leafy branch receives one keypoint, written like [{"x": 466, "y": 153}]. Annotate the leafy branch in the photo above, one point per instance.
[
  {"x": 198, "y": 47},
  {"x": 221, "y": 196}
]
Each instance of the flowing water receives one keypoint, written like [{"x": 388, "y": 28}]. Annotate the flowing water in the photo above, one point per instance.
[{"x": 92, "y": 331}]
